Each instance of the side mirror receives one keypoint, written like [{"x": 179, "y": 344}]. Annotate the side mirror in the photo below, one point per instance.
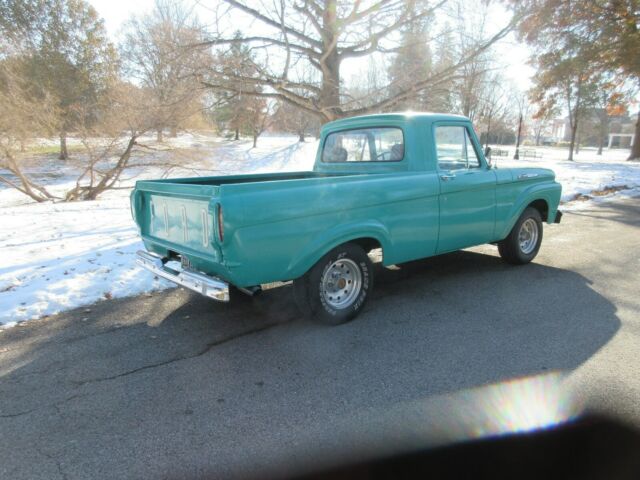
[{"x": 487, "y": 155}]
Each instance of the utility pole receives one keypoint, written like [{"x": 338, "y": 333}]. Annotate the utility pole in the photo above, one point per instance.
[{"x": 517, "y": 154}]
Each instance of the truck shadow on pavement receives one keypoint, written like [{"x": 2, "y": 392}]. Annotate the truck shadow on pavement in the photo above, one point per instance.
[{"x": 432, "y": 326}]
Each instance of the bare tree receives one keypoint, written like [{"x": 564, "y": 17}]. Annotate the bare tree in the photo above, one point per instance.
[
  {"x": 540, "y": 122},
  {"x": 236, "y": 99},
  {"x": 523, "y": 105},
  {"x": 157, "y": 52},
  {"x": 259, "y": 118},
  {"x": 110, "y": 145},
  {"x": 22, "y": 118},
  {"x": 413, "y": 61},
  {"x": 473, "y": 75},
  {"x": 295, "y": 120},
  {"x": 496, "y": 104},
  {"x": 324, "y": 34}
]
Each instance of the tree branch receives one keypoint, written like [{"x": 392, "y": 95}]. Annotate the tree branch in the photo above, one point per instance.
[
  {"x": 436, "y": 79},
  {"x": 374, "y": 38},
  {"x": 268, "y": 40},
  {"x": 269, "y": 21}
]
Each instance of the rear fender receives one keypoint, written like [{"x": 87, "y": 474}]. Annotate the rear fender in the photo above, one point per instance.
[{"x": 334, "y": 237}]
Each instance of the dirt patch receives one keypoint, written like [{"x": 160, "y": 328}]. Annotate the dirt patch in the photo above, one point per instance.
[
  {"x": 608, "y": 190},
  {"x": 579, "y": 197}
]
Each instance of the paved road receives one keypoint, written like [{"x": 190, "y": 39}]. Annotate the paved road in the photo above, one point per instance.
[{"x": 174, "y": 385}]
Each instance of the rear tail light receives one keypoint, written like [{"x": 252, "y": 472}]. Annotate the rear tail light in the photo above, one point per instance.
[{"x": 220, "y": 224}]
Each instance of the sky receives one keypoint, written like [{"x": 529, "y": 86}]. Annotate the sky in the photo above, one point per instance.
[{"x": 512, "y": 54}]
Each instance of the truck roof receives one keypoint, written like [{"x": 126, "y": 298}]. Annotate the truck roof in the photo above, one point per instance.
[{"x": 367, "y": 120}]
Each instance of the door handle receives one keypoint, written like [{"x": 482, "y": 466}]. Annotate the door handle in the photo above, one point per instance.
[{"x": 447, "y": 176}]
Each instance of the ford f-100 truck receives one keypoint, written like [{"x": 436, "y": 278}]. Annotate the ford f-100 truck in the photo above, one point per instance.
[{"x": 413, "y": 185}]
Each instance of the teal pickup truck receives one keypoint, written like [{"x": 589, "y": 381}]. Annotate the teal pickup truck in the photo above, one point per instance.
[{"x": 413, "y": 185}]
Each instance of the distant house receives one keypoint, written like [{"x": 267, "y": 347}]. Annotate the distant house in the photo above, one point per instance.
[{"x": 620, "y": 133}]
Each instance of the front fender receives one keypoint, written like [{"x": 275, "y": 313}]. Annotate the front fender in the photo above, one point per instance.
[
  {"x": 333, "y": 237},
  {"x": 549, "y": 192}
]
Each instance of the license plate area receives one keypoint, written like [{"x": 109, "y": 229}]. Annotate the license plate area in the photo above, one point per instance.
[
  {"x": 178, "y": 262},
  {"x": 185, "y": 263}
]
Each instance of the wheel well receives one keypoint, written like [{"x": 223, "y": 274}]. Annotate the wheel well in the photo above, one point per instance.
[
  {"x": 542, "y": 207},
  {"x": 367, "y": 244}
]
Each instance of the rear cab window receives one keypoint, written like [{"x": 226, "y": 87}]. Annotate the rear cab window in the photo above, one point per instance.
[{"x": 378, "y": 144}]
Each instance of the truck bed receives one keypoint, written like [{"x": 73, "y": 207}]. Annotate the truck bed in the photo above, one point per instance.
[{"x": 180, "y": 216}]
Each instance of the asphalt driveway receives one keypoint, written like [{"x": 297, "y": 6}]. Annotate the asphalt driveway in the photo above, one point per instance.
[{"x": 172, "y": 384}]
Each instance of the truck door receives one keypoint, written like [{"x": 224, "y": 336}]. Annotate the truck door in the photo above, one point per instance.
[{"x": 467, "y": 189}]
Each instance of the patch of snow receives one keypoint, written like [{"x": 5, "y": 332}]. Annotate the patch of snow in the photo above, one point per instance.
[
  {"x": 588, "y": 172},
  {"x": 60, "y": 256}
]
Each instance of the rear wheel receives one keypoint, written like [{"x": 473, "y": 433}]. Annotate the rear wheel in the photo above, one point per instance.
[
  {"x": 336, "y": 288},
  {"x": 523, "y": 242}
]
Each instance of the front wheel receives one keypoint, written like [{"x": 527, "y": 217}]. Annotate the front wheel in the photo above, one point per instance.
[
  {"x": 523, "y": 242},
  {"x": 336, "y": 288}
]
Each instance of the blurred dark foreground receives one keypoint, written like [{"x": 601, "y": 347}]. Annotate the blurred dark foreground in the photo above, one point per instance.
[{"x": 592, "y": 447}]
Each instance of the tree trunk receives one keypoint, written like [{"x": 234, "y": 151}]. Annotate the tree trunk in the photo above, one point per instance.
[
  {"x": 486, "y": 140},
  {"x": 237, "y": 137},
  {"x": 159, "y": 136},
  {"x": 330, "y": 94},
  {"x": 602, "y": 130},
  {"x": 301, "y": 136},
  {"x": 600, "y": 144},
  {"x": 64, "y": 153},
  {"x": 635, "y": 148},
  {"x": 26, "y": 186},
  {"x": 111, "y": 176},
  {"x": 255, "y": 140},
  {"x": 174, "y": 132},
  {"x": 517, "y": 154},
  {"x": 572, "y": 142},
  {"x": 329, "y": 98}
]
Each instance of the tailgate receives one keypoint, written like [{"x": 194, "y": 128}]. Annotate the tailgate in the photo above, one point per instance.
[{"x": 176, "y": 216}]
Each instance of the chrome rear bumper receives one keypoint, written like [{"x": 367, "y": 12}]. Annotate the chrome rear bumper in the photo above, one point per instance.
[{"x": 206, "y": 285}]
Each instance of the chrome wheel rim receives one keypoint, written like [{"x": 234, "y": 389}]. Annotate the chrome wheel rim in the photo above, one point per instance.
[
  {"x": 341, "y": 283},
  {"x": 528, "y": 236}
]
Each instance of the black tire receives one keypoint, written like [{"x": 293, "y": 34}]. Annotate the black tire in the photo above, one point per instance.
[
  {"x": 313, "y": 299},
  {"x": 510, "y": 248}
]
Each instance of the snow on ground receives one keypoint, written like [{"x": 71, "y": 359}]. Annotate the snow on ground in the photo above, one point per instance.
[
  {"x": 587, "y": 173},
  {"x": 64, "y": 255},
  {"x": 58, "y": 256}
]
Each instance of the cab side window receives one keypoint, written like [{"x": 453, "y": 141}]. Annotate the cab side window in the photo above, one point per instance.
[{"x": 454, "y": 148}]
